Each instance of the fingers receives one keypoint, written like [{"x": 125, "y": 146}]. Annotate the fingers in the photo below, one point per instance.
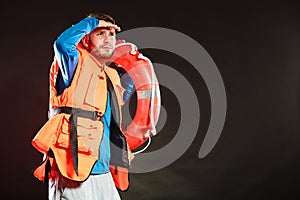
[
  {"x": 116, "y": 27},
  {"x": 105, "y": 24}
]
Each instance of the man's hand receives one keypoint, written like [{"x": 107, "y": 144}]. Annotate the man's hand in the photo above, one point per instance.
[{"x": 104, "y": 24}]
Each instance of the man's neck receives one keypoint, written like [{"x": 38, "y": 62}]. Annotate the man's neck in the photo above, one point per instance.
[{"x": 100, "y": 61}]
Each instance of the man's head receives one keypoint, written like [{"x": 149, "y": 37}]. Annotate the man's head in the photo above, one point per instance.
[{"x": 101, "y": 41}]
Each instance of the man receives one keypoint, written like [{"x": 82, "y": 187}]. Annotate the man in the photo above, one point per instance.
[{"x": 85, "y": 129}]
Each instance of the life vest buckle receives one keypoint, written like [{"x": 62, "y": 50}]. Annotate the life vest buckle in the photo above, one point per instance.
[{"x": 99, "y": 116}]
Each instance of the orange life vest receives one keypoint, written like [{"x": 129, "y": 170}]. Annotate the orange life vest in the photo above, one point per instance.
[{"x": 88, "y": 91}]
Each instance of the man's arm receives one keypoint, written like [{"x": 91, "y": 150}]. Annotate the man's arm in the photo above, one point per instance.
[{"x": 65, "y": 47}]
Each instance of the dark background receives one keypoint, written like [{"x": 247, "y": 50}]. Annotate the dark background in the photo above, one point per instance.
[{"x": 256, "y": 47}]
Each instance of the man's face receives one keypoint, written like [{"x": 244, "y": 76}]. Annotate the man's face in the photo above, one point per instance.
[{"x": 102, "y": 42}]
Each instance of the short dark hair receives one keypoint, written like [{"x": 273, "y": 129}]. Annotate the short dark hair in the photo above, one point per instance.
[{"x": 103, "y": 16}]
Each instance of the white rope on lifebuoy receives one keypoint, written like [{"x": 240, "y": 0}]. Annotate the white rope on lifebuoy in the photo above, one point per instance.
[{"x": 143, "y": 149}]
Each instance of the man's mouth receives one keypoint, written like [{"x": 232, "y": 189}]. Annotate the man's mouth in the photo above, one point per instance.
[{"x": 106, "y": 47}]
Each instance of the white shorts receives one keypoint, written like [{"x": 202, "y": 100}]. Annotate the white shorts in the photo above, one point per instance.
[{"x": 96, "y": 187}]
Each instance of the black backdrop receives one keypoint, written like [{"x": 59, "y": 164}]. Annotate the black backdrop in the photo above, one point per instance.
[{"x": 256, "y": 47}]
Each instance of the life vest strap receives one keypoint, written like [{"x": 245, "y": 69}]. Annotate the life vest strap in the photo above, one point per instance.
[
  {"x": 75, "y": 113},
  {"x": 93, "y": 115}
]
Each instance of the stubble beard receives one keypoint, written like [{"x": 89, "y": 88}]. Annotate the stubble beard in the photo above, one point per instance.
[{"x": 102, "y": 54}]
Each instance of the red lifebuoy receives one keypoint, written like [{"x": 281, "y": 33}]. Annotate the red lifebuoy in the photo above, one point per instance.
[{"x": 148, "y": 105}]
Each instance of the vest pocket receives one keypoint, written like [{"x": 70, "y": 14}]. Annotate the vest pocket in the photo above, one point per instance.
[{"x": 89, "y": 135}]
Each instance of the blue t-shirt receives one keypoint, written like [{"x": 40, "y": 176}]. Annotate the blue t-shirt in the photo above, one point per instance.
[{"x": 102, "y": 165}]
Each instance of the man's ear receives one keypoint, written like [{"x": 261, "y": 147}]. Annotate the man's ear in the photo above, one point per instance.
[{"x": 85, "y": 41}]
